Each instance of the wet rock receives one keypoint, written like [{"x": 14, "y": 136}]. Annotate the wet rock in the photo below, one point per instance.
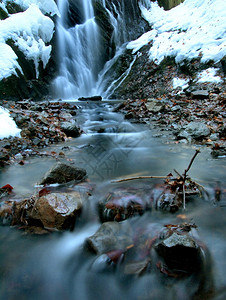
[
  {"x": 34, "y": 230},
  {"x": 62, "y": 173},
  {"x": 218, "y": 151},
  {"x": 122, "y": 204},
  {"x": 93, "y": 98},
  {"x": 180, "y": 252},
  {"x": 58, "y": 210},
  {"x": 101, "y": 263},
  {"x": 6, "y": 213},
  {"x": 130, "y": 115},
  {"x": 70, "y": 129},
  {"x": 196, "y": 130},
  {"x": 155, "y": 106},
  {"x": 200, "y": 94},
  {"x": 137, "y": 268},
  {"x": 110, "y": 236}
]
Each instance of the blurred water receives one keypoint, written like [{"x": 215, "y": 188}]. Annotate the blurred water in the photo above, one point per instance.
[{"x": 57, "y": 267}]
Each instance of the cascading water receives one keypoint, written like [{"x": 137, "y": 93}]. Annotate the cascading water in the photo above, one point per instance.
[
  {"x": 78, "y": 48},
  {"x": 84, "y": 54}
]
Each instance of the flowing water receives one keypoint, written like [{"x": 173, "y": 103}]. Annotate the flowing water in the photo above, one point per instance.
[
  {"x": 79, "y": 55},
  {"x": 56, "y": 266},
  {"x": 83, "y": 65}
]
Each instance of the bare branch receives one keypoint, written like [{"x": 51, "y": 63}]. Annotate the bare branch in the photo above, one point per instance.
[{"x": 140, "y": 177}]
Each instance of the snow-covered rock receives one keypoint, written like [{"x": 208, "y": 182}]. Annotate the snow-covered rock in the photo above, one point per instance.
[
  {"x": 31, "y": 32},
  {"x": 195, "y": 28}
]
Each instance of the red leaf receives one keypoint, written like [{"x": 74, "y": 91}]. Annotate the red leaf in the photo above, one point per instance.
[
  {"x": 43, "y": 192},
  {"x": 115, "y": 255},
  {"x": 8, "y": 187}
]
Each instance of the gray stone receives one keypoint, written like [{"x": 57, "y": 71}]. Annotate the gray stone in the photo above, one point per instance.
[
  {"x": 70, "y": 129},
  {"x": 200, "y": 94},
  {"x": 155, "y": 106},
  {"x": 111, "y": 236},
  {"x": 196, "y": 130},
  {"x": 214, "y": 136},
  {"x": 63, "y": 173}
]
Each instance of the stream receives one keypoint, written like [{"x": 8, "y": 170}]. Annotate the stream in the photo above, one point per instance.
[{"x": 56, "y": 266}]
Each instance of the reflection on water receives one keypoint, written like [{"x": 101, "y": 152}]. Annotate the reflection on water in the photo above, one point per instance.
[{"x": 57, "y": 267}]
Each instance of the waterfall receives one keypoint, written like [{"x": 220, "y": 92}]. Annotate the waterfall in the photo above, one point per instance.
[
  {"x": 90, "y": 45},
  {"x": 78, "y": 51}
]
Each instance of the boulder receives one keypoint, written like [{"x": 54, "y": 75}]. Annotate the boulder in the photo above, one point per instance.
[
  {"x": 200, "y": 94},
  {"x": 58, "y": 210},
  {"x": 155, "y": 106},
  {"x": 110, "y": 236},
  {"x": 70, "y": 129},
  {"x": 92, "y": 98},
  {"x": 180, "y": 252},
  {"x": 63, "y": 173},
  {"x": 196, "y": 130}
]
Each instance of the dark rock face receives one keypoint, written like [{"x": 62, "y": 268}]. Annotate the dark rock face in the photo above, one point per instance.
[
  {"x": 62, "y": 173},
  {"x": 149, "y": 80},
  {"x": 130, "y": 25},
  {"x": 168, "y": 4},
  {"x": 180, "y": 252},
  {"x": 75, "y": 13}
]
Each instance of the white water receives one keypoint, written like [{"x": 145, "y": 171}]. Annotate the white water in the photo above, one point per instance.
[
  {"x": 78, "y": 54},
  {"x": 79, "y": 51}
]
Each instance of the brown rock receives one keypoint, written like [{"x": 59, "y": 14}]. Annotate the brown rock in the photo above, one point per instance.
[{"x": 58, "y": 210}]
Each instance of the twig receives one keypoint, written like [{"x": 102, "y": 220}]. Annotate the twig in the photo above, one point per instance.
[
  {"x": 140, "y": 177},
  {"x": 190, "y": 164},
  {"x": 184, "y": 197},
  {"x": 178, "y": 173}
]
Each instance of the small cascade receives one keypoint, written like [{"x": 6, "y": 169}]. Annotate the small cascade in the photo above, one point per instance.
[{"x": 78, "y": 53}]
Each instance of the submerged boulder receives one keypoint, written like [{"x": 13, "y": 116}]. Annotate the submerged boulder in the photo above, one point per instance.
[
  {"x": 123, "y": 203},
  {"x": 63, "y": 173},
  {"x": 110, "y": 236}
]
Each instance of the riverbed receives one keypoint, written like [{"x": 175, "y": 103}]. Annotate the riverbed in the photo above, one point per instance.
[{"x": 57, "y": 266}]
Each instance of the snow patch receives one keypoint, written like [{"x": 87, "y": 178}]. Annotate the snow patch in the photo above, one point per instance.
[
  {"x": 195, "y": 28},
  {"x": 7, "y": 125},
  {"x": 179, "y": 82},
  {"x": 209, "y": 75}
]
